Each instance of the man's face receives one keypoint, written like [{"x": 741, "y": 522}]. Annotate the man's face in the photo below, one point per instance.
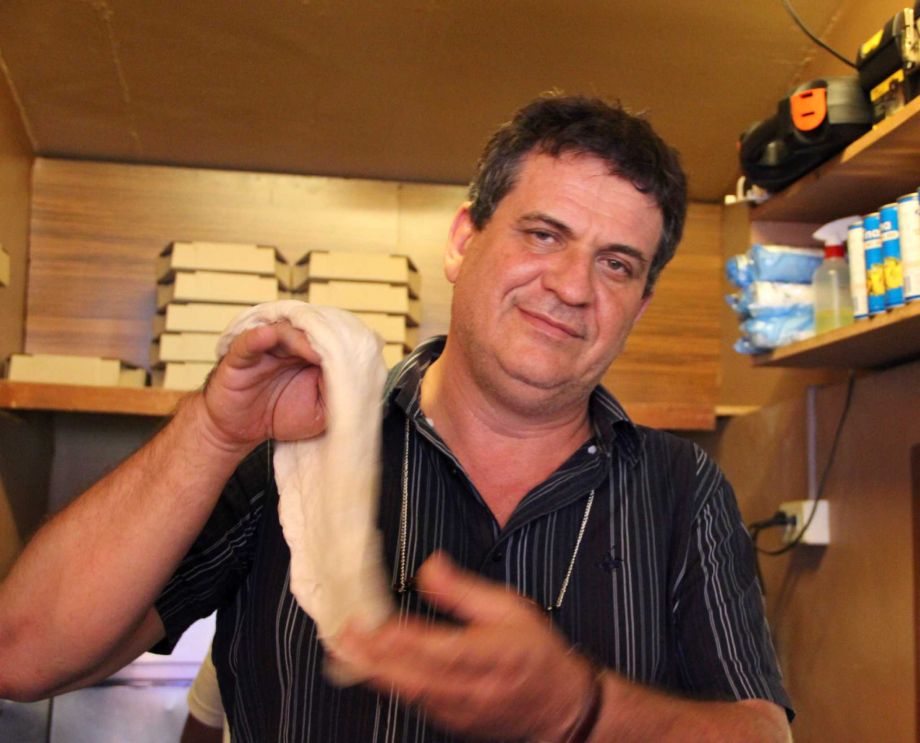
[{"x": 546, "y": 294}]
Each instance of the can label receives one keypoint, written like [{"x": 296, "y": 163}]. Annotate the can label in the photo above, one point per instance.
[
  {"x": 857, "y": 259},
  {"x": 875, "y": 271},
  {"x": 891, "y": 255},
  {"x": 909, "y": 226}
]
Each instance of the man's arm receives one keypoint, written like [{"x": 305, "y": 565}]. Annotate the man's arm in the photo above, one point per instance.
[
  {"x": 82, "y": 590},
  {"x": 507, "y": 673}
]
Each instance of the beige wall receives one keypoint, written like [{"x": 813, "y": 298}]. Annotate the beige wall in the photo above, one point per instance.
[
  {"x": 854, "y": 22},
  {"x": 24, "y": 441},
  {"x": 15, "y": 188}
]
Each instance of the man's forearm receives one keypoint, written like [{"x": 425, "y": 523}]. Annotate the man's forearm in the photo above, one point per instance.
[
  {"x": 631, "y": 712},
  {"x": 89, "y": 576}
]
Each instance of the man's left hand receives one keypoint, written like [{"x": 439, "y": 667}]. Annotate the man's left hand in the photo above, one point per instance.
[{"x": 505, "y": 673}]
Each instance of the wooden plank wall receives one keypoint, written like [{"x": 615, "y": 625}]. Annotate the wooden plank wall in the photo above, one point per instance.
[
  {"x": 673, "y": 355},
  {"x": 843, "y": 616},
  {"x": 97, "y": 227}
]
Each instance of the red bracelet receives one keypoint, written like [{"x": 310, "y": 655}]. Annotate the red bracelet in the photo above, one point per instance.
[{"x": 591, "y": 713}]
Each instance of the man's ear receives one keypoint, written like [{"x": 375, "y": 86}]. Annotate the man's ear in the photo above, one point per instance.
[
  {"x": 646, "y": 301},
  {"x": 461, "y": 231}
]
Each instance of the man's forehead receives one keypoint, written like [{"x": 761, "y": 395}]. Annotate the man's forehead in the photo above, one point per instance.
[
  {"x": 579, "y": 171},
  {"x": 549, "y": 184}
]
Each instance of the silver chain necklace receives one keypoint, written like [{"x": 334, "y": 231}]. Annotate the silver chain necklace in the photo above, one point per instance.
[{"x": 404, "y": 529}]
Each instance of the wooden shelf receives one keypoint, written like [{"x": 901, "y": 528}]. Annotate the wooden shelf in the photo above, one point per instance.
[
  {"x": 879, "y": 341},
  {"x": 159, "y": 402},
  {"x": 733, "y": 411},
  {"x": 874, "y": 170},
  {"x": 153, "y": 401},
  {"x": 672, "y": 416}
]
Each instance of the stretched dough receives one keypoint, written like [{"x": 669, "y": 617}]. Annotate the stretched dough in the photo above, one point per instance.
[{"x": 329, "y": 485}]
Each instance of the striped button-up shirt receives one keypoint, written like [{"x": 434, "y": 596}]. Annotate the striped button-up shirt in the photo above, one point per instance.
[{"x": 662, "y": 588}]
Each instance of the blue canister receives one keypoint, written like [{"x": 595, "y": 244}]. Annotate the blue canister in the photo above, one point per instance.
[
  {"x": 875, "y": 263},
  {"x": 909, "y": 227},
  {"x": 856, "y": 256},
  {"x": 891, "y": 255}
]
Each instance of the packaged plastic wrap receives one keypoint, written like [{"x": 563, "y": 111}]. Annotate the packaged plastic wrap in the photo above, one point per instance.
[
  {"x": 773, "y": 263},
  {"x": 769, "y": 298},
  {"x": 760, "y": 334}
]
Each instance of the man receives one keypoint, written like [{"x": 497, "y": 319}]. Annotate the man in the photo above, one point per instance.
[{"x": 499, "y": 452}]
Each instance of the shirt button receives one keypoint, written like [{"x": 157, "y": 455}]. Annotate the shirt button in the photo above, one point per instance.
[
  {"x": 592, "y": 449},
  {"x": 497, "y": 555}
]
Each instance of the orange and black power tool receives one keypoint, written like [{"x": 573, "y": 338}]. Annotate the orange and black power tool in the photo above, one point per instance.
[{"x": 814, "y": 122}]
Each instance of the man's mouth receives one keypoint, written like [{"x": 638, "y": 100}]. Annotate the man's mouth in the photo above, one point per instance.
[{"x": 552, "y": 325}]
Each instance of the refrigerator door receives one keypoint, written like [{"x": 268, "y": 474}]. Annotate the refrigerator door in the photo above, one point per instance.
[
  {"x": 115, "y": 714},
  {"x": 145, "y": 702},
  {"x": 24, "y": 722}
]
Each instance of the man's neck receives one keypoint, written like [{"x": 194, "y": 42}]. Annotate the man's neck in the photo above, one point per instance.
[{"x": 504, "y": 450}]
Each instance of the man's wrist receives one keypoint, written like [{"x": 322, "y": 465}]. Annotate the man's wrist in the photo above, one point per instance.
[
  {"x": 580, "y": 731},
  {"x": 193, "y": 414},
  {"x": 583, "y": 711}
]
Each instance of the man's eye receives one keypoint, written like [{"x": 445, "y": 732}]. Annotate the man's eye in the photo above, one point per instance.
[
  {"x": 615, "y": 265},
  {"x": 542, "y": 236}
]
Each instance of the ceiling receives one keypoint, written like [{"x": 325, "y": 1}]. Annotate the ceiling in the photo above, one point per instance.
[{"x": 392, "y": 89}]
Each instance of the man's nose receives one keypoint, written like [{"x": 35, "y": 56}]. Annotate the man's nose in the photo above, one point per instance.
[{"x": 569, "y": 275}]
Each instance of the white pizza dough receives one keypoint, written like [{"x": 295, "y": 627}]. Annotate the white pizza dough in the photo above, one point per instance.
[{"x": 329, "y": 485}]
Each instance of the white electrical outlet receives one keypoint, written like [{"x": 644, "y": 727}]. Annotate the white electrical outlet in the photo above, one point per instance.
[{"x": 819, "y": 530}]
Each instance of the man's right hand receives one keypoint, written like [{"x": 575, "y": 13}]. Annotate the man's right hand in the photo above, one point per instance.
[
  {"x": 59, "y": 622},
  {"x": 269, "y": 385}
]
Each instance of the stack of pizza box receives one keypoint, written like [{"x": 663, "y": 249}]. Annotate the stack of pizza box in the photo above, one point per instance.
[
  {"x": 383, "y": 290},
  {"x": 56, "y": 368},
  {"x": 201, "y": 288}
]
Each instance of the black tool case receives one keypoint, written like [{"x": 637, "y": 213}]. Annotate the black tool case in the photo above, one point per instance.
[
  {"x": 815, "y": 121},
  {"x": 888, "y": 63}
]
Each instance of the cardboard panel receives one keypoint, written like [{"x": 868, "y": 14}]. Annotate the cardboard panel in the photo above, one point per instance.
[
  {"x": 326, "y": 266},
  {"x": 178, "y": 375},
  {"x": 364, "y": 296},
  {"x": 82, "y": 370},
  {"x": 208, "y": 256},
  {"x": 213, "y": 286},
  {"x": 185, "y": 347},
  {"x": 196, "y": 317}
]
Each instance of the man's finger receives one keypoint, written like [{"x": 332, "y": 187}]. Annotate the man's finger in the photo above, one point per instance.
[
  {"x": 465, "y": 595},
  {"x": 250, "y": 347}
]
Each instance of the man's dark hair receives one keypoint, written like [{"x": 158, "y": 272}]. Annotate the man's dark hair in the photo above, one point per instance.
[{"x": 555, "y": 125}]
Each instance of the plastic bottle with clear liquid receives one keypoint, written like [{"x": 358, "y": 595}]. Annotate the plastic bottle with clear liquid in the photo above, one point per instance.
[{"x": 831, "y": 283}]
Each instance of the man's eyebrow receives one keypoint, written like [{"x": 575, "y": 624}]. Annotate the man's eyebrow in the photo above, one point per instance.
[
  {"x": 544, "y": 218},
  {"x": 562, "y": 227},
  {"x": 632, "y": 252}
]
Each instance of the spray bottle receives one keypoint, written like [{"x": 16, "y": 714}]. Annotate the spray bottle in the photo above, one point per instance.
[{"x": 831, "y": 280}]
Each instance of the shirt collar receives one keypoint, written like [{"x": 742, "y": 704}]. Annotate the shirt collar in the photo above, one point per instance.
[{"x": 612, "y": 426}]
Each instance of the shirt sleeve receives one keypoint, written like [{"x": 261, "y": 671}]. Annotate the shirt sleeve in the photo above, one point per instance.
[
  {"x": 210, "y": 575},
  {"x": 725, "y": 650}
]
